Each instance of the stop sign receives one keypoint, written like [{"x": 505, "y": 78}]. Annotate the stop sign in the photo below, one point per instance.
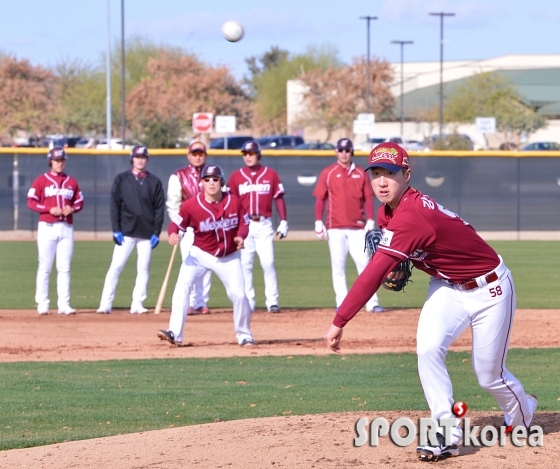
[{"x": 202, "y": 122}]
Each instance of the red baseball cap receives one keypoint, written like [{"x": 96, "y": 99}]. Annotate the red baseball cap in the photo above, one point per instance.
[
  {"x": 197, "y": 146},
  {"x": 389, "y": 156}
]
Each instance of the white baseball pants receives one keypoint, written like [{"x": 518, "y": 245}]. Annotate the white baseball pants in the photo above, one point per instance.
[
  {"x": 342, "y": 241},
  {"x": 261, "y": 241},
  {"x": 228, "y": 270},
  {"x": 201, "y": 291},
  {"x": 120, "y": 256},
  {"x": 54, "y": 239},
  {"x": 489, "y": 311}
]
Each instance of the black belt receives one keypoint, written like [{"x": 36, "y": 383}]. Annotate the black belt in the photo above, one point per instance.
[{"x": 471, "y": 284}]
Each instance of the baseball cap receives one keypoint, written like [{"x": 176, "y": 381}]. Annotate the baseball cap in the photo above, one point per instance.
[
  {"x": 389, "y": 156},
  {"x": 344, "y": 144},
  {"x": 197, "y": 146}
]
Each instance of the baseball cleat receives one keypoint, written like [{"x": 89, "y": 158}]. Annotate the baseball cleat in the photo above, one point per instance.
[
  {"x": 138, "y": 308},
  {"x": 377, "y": 309},
  {"x": 43, "y": 313},
  {"x": 247, "y": 343},
  {"x": 104, "y": 310},
  {"x": 274, "y": 309},
  {"x": 434, "y": 453},
  {"x": 167, "y": 335},
  {"x": 67, "y": 311}
]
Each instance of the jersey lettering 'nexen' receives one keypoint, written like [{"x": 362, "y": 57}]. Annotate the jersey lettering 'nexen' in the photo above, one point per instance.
[
  {"x": 342, "y": 188},
  {"x": 54, "y": 190},
  {"x": 427, "y": 233},
  {"x": 215, "y": 224},
  {"x": 256, "y": 188}
]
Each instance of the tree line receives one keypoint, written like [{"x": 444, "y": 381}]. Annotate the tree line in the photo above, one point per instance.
[{"x": 165, "y": 85}]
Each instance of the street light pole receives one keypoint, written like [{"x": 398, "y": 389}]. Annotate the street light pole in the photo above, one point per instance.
[
  {"x": 402, "y": 43},
  {"x": 368, "y": 18},
  {"x": 441, "y": 16},
  {"x": 108, "y": 77},
  {"x": 123, "y": 91}
]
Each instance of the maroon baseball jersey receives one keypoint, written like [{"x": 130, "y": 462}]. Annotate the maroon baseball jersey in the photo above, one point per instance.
[
  {"x": 436, "y": 240},
  {"x": 256, "y": 187},
  {"x": 189, "y": 177},
  {"x": 215, "y": 224},
  {"x": 54, "y": 190},
  {"x": 345, "y": 191}
]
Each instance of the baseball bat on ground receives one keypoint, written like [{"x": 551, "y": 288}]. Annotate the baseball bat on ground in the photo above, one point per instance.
[{"x": 163, "y": 290}]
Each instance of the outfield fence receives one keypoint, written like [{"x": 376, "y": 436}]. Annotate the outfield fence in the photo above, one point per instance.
[{"x": 492, "y": 190}]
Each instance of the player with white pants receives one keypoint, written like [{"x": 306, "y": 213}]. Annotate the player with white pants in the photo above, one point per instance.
[
  {"x": 220, "y": 225},
  {"x": 469, "y": 286},
  {"x": 55, "y": 196},
  {"x": 137, "y": 202},
  {"x": 346, "y": 191},
  {"x": 184, "y": 184},
  {"x": 257, "y": 186}
]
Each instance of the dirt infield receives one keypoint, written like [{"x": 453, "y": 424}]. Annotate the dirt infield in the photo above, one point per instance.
[{"x": 315, "y": 441}]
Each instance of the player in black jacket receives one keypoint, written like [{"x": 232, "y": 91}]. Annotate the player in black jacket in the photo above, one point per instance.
[{"x": 137, "y": 207}]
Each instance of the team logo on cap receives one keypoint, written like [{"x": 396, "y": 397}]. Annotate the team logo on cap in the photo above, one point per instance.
[{"x": 389, "y": 154}]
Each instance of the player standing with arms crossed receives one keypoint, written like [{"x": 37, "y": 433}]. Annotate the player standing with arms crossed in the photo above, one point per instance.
[
  {"x": 257, "y": 186},
  {"x": 345, "y": 189},
  {"x": 55, "y": 196},
  {"x": 470, "y": 286},
  {"x": 137, "y": 204},
  {"x": 184, "y": 184},
  {"x": 220, "y": 225}
]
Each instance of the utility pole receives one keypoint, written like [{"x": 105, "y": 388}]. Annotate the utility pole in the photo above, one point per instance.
[
  {"x": 108, "y": 77},
  {"x": 368, "y": 18},
  {"x": 441, "y": 16},
  {"x": 123, "y": 70},
  {"x": 402, "y": 43}
]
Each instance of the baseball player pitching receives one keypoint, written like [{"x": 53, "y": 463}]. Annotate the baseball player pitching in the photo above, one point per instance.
[
  {"x": 137, "y": 204},
  {"x": 470, "y": 286},
  {"x": 220, "y": 225},
  {"x": 345, "y": 189},
  {"x": 258, "y": 186},
  {"x": 56, "y": 197},
  {"x": 184, "y": 184}
]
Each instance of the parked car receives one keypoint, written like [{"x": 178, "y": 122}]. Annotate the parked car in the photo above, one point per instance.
[
  {"x": 316, "y": 146},
  {"x": 116, "y": 144},
  {"x": 542, "y": 146},
  {"x": 234, "y": 142},
  {"x": 450, "y": 142},
  {"x": 371, "y": 142},
  {"x": 87, "y": 142},
  {"x": 275, "y": 142}
]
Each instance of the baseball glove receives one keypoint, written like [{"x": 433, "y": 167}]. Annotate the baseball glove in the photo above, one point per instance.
[
  {"x": 398, "y": 278},
  {"x": 372, "y": 238}
]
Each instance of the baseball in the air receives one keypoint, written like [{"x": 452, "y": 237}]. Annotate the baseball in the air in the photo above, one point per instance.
[{"x": 232, "y": 31}]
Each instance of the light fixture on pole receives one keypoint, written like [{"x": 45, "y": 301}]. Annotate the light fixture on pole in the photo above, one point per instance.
[
  {"x": 123, "y": 91},
  {"x": 441, "y": 16},
  {"x": 402, "y": 43},
  {"x": 368, "y": 18}
]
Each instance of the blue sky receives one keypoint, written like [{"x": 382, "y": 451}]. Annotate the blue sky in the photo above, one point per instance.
[{"x": 49, "y": 32}]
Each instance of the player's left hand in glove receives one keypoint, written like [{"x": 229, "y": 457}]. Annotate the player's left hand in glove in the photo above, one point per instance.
[
  {"x": 154, "y": 241},
  {"x": 282, "y": 230},
  {"x": 118, "y": 237},
  {"x": 398, "y": 278}
]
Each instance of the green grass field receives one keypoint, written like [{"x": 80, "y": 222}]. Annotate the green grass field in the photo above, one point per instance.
[
  {"x": 303, "y": 267},
  {"x": 45, "y": 403}
]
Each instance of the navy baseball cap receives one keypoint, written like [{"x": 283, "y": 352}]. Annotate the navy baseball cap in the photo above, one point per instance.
[
  {"x": 344, "y": 144},
  {"x": 389, "y": 156}
]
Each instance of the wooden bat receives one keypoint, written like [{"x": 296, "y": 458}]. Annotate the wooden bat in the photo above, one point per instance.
[{"x": 163, "y": 290}]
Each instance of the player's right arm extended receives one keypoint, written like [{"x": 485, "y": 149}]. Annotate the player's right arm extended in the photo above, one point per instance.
[{"x": 367, "y": 283}]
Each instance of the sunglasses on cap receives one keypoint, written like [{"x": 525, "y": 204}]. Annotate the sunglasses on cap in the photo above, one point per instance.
[{"x": 213, "y": 179}]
